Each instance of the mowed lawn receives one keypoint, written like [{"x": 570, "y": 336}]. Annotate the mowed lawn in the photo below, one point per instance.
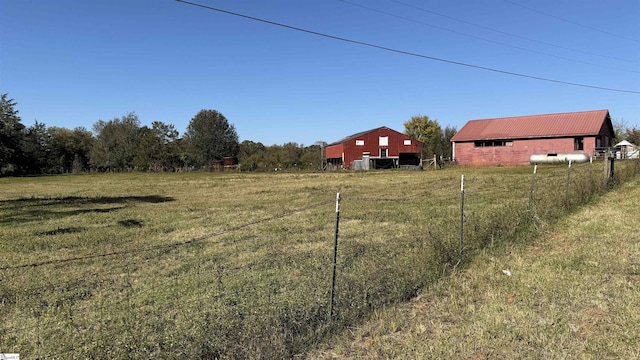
[
  {"x": 574, "y": 293},
  {"x": 234, "y": 265}
]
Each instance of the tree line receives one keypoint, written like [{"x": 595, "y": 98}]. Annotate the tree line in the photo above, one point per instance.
[{"x": 123, "y": 144}]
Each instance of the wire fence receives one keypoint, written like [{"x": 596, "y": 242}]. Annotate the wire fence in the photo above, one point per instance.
[{"x": 266, "y": 288}]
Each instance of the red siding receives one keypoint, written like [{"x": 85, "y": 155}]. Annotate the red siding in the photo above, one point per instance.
[
  {"x": 334, "y": 151},
  {"x": 352, "y": 151},
  {"x": 534, "y": 134},
  {"x": 467, "y": 154}
]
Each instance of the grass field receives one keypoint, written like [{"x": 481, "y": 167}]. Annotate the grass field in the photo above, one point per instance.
[
  {"x": 207, "y": 265},
  {"x": 574, "y": 293}
]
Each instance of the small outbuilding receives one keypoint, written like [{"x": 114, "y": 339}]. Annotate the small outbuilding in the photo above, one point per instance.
[
  {"x": 512, "y": 140},
  {"x": 379, "y": 148},
  {"x": 627, "y": 150}
]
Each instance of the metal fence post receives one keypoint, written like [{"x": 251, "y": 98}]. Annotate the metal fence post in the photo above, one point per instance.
[
  {"x": 461, "y": 214},
  {"x": 591, "y": 174},
  {"x": 566, "y": 189},
  {"x": 335, "y": 257},
  {"x": 533, "y": 184}
]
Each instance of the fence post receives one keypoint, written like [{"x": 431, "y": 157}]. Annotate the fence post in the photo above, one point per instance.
[
  {"x": 199, "y": 290},
  {"x": 609, "y": 165},
  {"x": 533, "y": 184},
  {"x": 566, "y": 189},
  {"x": 590, "y": 175},
  {"x": 461, "y": 214},
  {"x": 335, "y": 257},
  {"x": 39, "y": 324}
]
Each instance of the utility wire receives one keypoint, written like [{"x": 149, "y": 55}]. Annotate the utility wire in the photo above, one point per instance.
[
  {"x": 407, "y": 52},
  {"x": 570, "y": 22},
  {"x": 511, "y": 34},
  {"x": 485, "y": 39}
]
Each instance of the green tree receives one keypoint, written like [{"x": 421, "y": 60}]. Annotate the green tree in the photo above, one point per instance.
[
  {"x": 619, "y": 130},
  {"x": 632, "y": 135},
  {"x": 36, "y": 150},
  {"x": 148, "y": 151},
  {"x": 171, "y": 151},
  {"x": 251, "y": 155},
  {"x": 116, "y": 142},
  {"x": 292, "y": 155},
  {"x": 427, "y": 131},
  {"x": 447, "y": 147},
  {"x": 624, "y": 132},
  {"x": 70, "y": 149},
  {"x": 274, "y": 157},
  {"x": 11, "y": 136},
  {"x": 210, "y": 137},
  {"x": 175, "y": 155},
  {"x": 289, "y": 156},
  {"x": 311, "y": 158},
  {"x": 156, "y": 148}
]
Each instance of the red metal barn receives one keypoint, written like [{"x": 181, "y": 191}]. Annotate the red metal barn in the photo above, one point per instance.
[
  {"x": 382, "y": 148},
  {"x": 511, "y": 140}
]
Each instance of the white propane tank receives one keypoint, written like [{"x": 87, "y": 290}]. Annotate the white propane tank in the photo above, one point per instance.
[{"x": 558, "y": 158}]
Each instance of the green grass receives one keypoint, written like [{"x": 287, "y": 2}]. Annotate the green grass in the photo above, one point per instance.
[
  {"x": 206, "y": 265},
  {"x": 573, "y": 293}
]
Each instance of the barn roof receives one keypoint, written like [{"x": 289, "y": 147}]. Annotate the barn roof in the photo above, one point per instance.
[
  {"x": 582, "y": 123},
  {"x": 356, "y": 135},
  {"x": 360, "y": 134}
]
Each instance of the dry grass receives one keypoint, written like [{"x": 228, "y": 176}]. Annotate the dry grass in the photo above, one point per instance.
[
  {"x": 574, "y": 293},
  {"x": 255, "y": 280}
]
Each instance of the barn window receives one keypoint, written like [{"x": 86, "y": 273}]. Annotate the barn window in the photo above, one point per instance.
[
  {"x": 384, "y": 141},
  {"x": 487, "y": 143},
  {"x": 359, "y": 142},
  {"x": 407, "y": 142},
  {"x": 383, "y": 153},
  {"x": 578, "y": 143}
]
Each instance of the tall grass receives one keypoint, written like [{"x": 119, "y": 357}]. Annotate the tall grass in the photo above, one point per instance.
[
  {"x": 570, "y": 293},
  {"x": 239, "y": 265}
]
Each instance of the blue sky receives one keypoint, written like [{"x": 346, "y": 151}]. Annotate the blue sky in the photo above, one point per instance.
[{"x": 71, "y": 63}]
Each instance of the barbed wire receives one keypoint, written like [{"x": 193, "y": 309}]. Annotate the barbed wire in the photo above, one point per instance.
[
  {"x": 132, "y": 297},
  {"x": 371, "y": 199}
]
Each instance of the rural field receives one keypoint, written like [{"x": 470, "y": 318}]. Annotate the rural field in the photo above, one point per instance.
[
  {"x": 235, "y": 265},
  {"x": 573, "y": 293}
]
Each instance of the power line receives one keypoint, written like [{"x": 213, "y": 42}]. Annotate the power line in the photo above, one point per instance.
[
  {"x": 511, "y": 34},
  {"x": 485, "y": 39},
  {"x": 570, "y": 22},
  {"x": 405, "y": 52}
]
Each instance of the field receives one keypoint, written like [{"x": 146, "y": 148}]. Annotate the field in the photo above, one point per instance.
[
  {"x": 574, "y": 293},
  {"x": 230, "y": 265}
]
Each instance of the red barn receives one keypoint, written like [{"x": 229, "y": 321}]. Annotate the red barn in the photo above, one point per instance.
[
  {"x": 511, "y": 140},
  {"x": 381, "y": 147}
]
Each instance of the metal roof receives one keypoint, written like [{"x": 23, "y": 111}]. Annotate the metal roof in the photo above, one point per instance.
[
  {"x": 582, "y": 123},
  {"x": 360, "y": 134},
  {"x": 355, "y": 136}
]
